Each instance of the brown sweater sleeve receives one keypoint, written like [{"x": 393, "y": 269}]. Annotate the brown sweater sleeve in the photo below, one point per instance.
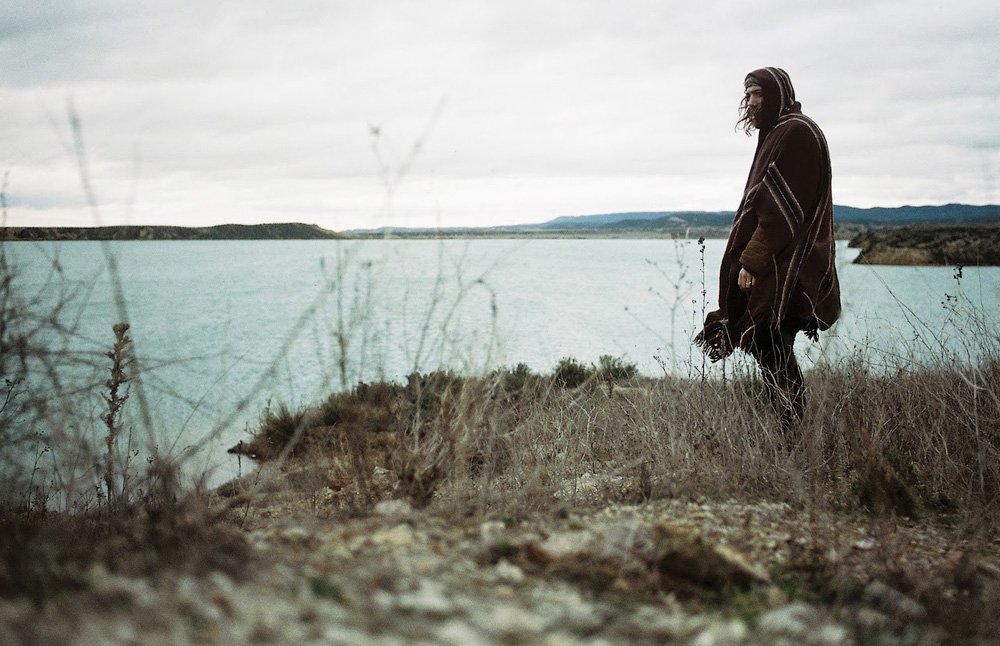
[{"x": 756, "y": 257}]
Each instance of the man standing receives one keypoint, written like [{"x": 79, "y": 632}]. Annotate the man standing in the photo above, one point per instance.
[{"x": 778, "y": 275}]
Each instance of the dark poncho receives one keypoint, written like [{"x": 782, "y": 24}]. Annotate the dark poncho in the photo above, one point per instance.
[{"x": 782, "y": 232}]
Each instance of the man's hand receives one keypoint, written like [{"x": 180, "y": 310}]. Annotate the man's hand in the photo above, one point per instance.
[{"x": 745, "y": 280}]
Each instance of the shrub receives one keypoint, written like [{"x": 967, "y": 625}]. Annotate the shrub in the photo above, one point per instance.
[
  {"x": 570, "y": 373},
  {"x": 278, "y": 428},
  {"x": 426, "y": 391},
  {"x": 516, "y": 384},
  {"x": 368, "y": 406},
  {"x": 612, "y": 369}
]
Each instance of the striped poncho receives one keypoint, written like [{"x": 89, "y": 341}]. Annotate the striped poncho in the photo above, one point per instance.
[{"x": 782, "y": 232}]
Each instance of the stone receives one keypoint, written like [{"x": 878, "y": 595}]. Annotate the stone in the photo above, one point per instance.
[
  {"x": 864, "y": 544},
  {"x": 430, "y": 598},
  {"x": 399, "y": 536},
  {"x": 117, "y": 589},
  {"x": 665, "y": 626},
  {"x": 507, "y": 572},
  {"x": 295, "y": 534},
  {"x": 987, "y": 568},
  {"x": 800, "y": 623},
  {"x": 893, "y": 602},
  {"x": 563, "y": 545},
  {"x": 872, "y": 619},
  {"x": 790, "y": 620},
  {"x": 722, "y": 633},
  {"x": 491, "y": 531},
  {"x": 511, "y": 623},
  {"x": 394, "y": 508},
  {"x": 459, "y": 633}
]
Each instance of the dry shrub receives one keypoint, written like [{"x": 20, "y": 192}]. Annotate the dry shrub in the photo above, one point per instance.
[
  {"x": 919, "y": 440},
  {"x": 368, "y": 408}
]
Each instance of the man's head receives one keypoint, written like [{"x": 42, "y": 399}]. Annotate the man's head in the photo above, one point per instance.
[{"x": 768, "y": 94}]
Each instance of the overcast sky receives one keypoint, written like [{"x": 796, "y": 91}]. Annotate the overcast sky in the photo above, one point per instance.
[{"x": 354, "y": 114}]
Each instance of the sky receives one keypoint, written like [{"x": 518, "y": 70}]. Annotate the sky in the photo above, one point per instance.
[{"x": 367, "y": 113}]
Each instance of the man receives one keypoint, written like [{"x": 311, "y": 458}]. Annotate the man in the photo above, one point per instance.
[{"x": 778, "y": 275}]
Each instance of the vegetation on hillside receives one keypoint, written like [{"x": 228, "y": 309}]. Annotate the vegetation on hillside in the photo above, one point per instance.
[
  {"x": 909, "y": 443},
  {"x": 930, "y": 245}
]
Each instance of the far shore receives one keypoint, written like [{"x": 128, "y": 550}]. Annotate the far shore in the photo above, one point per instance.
[{"x": 923, "y": 244}]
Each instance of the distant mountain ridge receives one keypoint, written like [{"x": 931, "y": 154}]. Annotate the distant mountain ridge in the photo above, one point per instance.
[
  {"x": 943, "y": 214},
  {"x": 715, "y": 222},
  {"x": 639, "y": 219},
  {"x": 878, "y": 216}
]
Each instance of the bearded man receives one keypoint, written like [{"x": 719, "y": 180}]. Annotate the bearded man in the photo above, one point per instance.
[{"x": 778, "y": 275}]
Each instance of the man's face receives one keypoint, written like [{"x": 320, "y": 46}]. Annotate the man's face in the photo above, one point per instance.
[{"x": 755, "y": 100}]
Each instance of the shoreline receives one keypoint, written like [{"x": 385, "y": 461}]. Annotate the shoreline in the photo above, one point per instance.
[{"x": 910, "y": 245}]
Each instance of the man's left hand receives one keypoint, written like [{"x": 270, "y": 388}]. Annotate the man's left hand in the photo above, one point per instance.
[{"x": 745, "y": 280}]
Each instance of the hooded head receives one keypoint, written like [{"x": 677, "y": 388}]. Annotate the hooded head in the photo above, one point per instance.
[{"x": 779, "y": 98}]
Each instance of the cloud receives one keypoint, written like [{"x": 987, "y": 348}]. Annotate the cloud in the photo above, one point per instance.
[{"x": 494, "y": 112}]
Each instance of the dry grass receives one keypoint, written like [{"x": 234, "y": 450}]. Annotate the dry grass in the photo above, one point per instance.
[
  {"x": 915, "y": 442},
  {"x": 906, "y": 455}
]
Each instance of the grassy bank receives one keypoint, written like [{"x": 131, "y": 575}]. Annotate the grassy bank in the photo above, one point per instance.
[{"x": 909, "y": 443}]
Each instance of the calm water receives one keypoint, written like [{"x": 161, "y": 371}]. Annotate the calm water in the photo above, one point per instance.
[{"x": 223, "y": 328}]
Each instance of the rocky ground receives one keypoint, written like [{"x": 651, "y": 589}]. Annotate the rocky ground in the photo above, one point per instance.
[{"x": 674, "y": 571}]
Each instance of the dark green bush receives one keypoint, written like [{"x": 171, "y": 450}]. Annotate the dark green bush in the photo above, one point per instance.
[
  {"x": 370, "y": 406},
  {"x": 278, "y": 427},
  {"x": 515, "y": 383},
  {"x": 426, "y": 390},
  {"x": 570, "y": 373}
]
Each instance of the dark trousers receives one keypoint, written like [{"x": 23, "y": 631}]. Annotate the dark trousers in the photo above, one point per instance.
[{"x": 773, "y": 348}]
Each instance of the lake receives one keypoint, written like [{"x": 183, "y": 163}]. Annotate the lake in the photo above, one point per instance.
[{"x": 222, "y": 329}]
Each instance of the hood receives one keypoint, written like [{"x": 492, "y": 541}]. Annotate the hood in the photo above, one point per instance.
[{"x": 779, "y": 95}]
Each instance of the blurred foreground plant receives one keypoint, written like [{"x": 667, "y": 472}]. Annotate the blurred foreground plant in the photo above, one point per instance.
[{"x": 119, "y": 356}]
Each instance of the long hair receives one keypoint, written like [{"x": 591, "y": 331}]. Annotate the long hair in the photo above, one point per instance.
[
  {"x": 778, "y": 98},
  {"x": 745, "y": 122}
]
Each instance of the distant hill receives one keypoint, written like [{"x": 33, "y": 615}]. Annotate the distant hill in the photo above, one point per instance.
[
  {"x": 849, "y": 221},
  {"x": 944, "y": 214},
  {"x": 639, "y": 220},
  {"x": 283, "y": 231},
  {"x": 591, "y": 221},
  {"x": 878, "y": 216}
]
